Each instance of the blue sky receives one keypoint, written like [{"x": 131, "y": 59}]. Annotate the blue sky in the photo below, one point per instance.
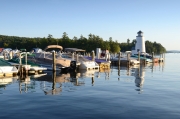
[{"x": 119, "y": 19}]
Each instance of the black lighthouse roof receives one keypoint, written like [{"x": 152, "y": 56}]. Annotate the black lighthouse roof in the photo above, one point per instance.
[{"x": 140, "y": 33}]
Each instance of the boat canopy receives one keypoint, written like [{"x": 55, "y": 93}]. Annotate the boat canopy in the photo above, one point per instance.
[
  {"x": 54, "y": 47},
  {"x": 74, "y": 50},
  {"x": 128, "y": 52}
]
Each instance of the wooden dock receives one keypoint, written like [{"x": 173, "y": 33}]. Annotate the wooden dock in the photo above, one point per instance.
[{"x": 142, "y": 61}]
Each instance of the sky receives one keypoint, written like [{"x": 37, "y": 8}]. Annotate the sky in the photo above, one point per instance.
[{"x": 119, "y": 19}]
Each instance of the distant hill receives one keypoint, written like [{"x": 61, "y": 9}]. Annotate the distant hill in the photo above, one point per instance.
[{"x": 173, "y": 51}]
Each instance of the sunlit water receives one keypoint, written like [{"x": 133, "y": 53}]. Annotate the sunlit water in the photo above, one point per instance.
[{"x": 151, "y": 92}]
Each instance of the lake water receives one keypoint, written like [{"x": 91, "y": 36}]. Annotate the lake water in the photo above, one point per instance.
[{"x": 150, "y": 92}]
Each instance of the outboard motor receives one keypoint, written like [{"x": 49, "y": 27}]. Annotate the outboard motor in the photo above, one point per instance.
[
  {"x": 70, "y": 69},
  {"x": 73, "y": 65}
]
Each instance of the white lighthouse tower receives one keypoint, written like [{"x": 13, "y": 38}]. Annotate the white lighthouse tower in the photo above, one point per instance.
[{"x": 140, "y": 44}]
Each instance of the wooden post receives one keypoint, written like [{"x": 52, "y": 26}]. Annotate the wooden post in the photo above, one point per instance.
[
  {"x": 92, "y": 80},
  {"x": 152, "y": 54},
  {"x": 105, "y": 56},
  {"x": 144, "y": 59},
  {"x": 139, "y": 57},
  {"x": 77, "y": 56},
  {"x": 93, "y": 55},
  {"x": 109, "y": 56},
  {"x": 128, "y": 60},
  {"x": 54, "y": 81},
  {"x": 20, "y": 64},
  {"x": 22, "y": 71},
  {"x": 26, "y": 58},
  {"x": 153, "y": 57},
  {"x": 20, "y": 59},
  {"x": 72, "y": 56},
  {"x": 77, "y": 82},
  {"x": 119, "y": 70},
  {"x": 54, "y": 60},
  {"x": 12, "y": 54},
  {"x": 4, "y": 56},
  {"x": 44, "y": 55},
  {"x": 119, "y": 59}
]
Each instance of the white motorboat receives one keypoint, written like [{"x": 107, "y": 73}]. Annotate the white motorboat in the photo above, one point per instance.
[{"x": 64, "y": 59}]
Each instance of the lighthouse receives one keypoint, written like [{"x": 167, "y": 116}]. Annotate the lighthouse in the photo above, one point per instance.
[{"x": 140, "y": 44}]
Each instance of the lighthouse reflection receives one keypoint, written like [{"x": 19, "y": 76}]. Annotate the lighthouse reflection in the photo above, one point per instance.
[{"x": 139, "y": 74}]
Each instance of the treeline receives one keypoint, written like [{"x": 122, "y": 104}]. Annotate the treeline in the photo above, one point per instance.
[{"x": 88, "y": 44}]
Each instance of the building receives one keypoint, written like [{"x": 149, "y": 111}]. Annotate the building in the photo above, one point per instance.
[{"x": 140, "y": 44}]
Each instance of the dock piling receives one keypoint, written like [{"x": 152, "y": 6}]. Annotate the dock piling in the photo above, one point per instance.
[
  {"x": 139, "y": 56},
  {"x": 54, "y": 60},
  {"x": 128, "y": 59},
  {"x": 54, "y": 81},
  {"x": 153, "y": 57},
  {"x": 72, "y": 56},
  {"x": 92, "y": 80},
  {"x": 119, "y": 60},
  {"x": 93, "y": 56},
  {"x": 4, "y": 56},
  {"x": 77, "y": 56},
  {"x": 144, "y": 58}
]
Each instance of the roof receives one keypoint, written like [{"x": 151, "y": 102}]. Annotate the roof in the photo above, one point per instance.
[
  {"x": 74, "y": 50},
  {"x": 140, "y": 31},
  {"x": 54, "y": 46}
]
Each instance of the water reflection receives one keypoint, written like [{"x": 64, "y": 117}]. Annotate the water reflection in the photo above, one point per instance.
[
  {"x": 55, "y": 83},
  {"x": 6, "y": 81},
  {"x": 139, "y": 78},
  {"x": 52, "y": 84},
  {"x": 55, "y": 90},
  {"x": 138, "y": 71},
  {"x": 159, "y": 65}
]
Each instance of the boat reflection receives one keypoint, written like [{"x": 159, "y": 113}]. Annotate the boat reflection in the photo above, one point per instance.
[{"x": 5, "y": 81}]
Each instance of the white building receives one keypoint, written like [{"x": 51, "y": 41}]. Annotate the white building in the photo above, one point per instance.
[{"x": 140, "y": 44}]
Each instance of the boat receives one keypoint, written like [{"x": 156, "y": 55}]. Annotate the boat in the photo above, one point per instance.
[
  {"x": 84, "y": 63},
  {"x": 26, "y": 64},
  {"x": 132, "y": 60},
  {"x": 148, "y": 59},
  {"x": 45, "y": 58},
  {"x": 6, "y": 69}
]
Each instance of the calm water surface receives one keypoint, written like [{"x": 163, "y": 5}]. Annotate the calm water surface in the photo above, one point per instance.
[{"x": 150, "y": 92}]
